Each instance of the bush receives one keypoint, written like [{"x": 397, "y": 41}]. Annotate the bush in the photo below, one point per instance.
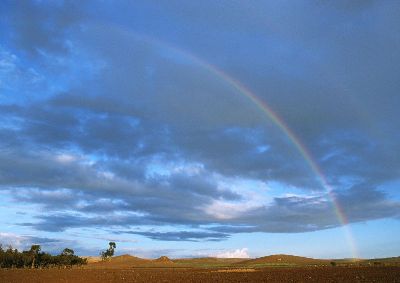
[{"x": 34, "y": 258}]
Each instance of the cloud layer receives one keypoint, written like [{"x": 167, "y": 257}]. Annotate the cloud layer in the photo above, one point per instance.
[{"x": 110, "y": 123}]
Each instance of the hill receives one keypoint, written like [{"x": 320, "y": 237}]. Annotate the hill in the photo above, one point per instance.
[
  {"x": 92, "y": 259},
  {"x": 282, "y": 259},
  {"x": 120, "y": 262},
  {"x": 163, "y": 259},
  {"x": 207, "y": 262},
  {"x": 384, "y": 261}
]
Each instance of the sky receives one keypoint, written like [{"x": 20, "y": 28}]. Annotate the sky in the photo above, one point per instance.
[{"x": 201, "y": 128}]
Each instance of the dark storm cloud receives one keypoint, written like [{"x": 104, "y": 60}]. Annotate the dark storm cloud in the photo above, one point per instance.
[
  {"x": 61, "y": 222},
  {"x": 296, "y": 214},
  {"x": 235, "y": 151},
  {"x": 354, "y": 155},
  {"x": 291, "y": 214},
  {"x": 86, "y": 150},
  {"x": 51, "y": 170},
  {"x": 69, "y": 185},
  {"x": 42, "y": 27},
  {"x": 339, "y": 74},
  {"x": 321, "y": 93},
  {"x": 181, "y": 236}
]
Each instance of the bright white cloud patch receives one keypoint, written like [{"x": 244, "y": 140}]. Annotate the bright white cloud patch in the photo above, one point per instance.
[
  {"x": 225, "y": 210},
  {"x": 238, "y": 253},
  {"x": 65, "y": 158}
]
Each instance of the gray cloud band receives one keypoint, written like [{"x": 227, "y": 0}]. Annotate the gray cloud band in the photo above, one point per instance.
[{"x": 92, "y": 148}]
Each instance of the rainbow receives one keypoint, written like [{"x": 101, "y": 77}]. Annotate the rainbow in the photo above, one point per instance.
[
  {"x": 280, "y": 123},
  {"x": 272, "y": 115}
]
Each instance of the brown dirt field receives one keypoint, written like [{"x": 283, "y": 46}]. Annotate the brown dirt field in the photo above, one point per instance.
[{"x": 317, "y": 274}]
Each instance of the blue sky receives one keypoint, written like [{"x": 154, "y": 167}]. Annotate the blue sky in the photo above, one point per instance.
[{"x": 114, "y": 125}]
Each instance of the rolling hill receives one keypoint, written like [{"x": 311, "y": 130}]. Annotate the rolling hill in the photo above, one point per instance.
[{"x": 282, "y": 259}]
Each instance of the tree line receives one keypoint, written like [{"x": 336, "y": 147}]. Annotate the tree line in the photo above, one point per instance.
[{"x": 35, "y": 258}]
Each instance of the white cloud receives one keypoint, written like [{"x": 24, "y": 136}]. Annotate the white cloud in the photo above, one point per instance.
[
  {"x": 225, "y": 210},
  {"x": 254, "y": 194},
  {"x": 238, "y": 253},
  {"x": 66, "y": 158}
]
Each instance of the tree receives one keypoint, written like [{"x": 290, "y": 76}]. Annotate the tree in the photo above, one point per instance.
[
  {"x": 34, "y": 251},
  {"x": 67, "y": 252},
  {"x": 66, "y": 257},
  {"x": 107, "y": 254},
  {"x": 35, "y": 258},
  {"x": 112, "y": 247}
]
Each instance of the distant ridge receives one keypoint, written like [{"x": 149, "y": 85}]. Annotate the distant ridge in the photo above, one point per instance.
[
  {"x": 283, "y": 259},
  {"x": 127, "y": 262},
  {"x": 127, "y": 257},
  {"x": 122, "y": 261},
  {"x": 92, "y": 259},
  {"x": 386, "y": 259}
]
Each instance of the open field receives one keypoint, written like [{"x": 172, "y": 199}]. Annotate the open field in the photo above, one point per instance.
[
  {"x": 280, "y": 260},
  {"x": 275, "y": 268},
  {"x": 287, "y": 274}
]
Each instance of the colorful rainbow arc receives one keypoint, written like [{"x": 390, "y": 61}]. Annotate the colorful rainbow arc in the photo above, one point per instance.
[
  {"x": 274, "y": 117},
  {"x": 293, "y": 138}
]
